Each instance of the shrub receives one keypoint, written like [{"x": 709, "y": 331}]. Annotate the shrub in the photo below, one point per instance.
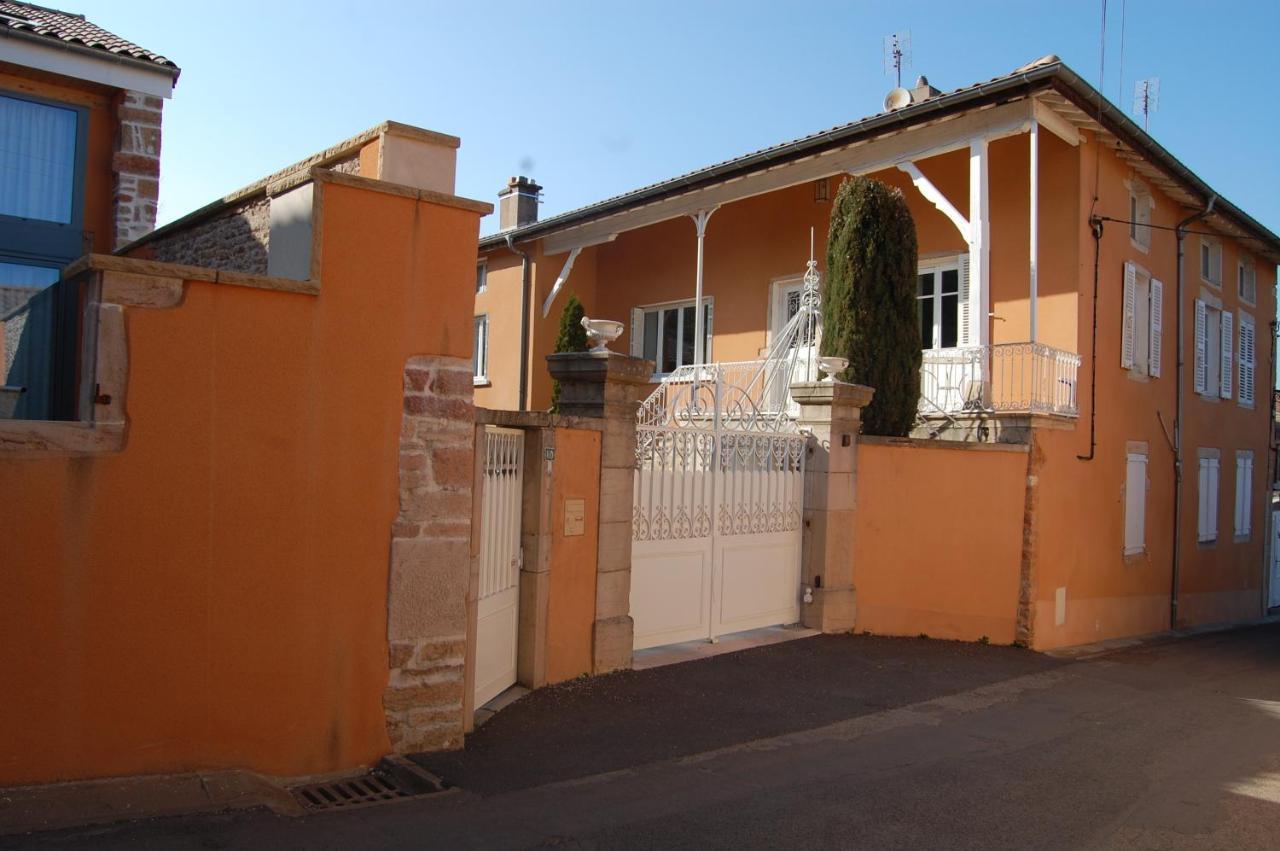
[
  {"x": 869, "y": 307},
  {"x": 572, "y": 338}
]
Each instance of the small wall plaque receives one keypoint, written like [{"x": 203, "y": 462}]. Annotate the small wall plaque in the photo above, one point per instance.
[{"x": 575, "y": 517}]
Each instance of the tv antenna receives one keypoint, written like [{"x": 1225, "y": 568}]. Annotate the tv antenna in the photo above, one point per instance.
[
  {"x": 1146, "y": 98},
  {"x": 897, "y": 54}
]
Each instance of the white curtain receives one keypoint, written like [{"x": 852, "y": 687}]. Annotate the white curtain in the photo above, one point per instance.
[{"x": 37, "y": 160}]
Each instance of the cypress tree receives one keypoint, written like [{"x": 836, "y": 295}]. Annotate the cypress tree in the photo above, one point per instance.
[
  {"x": 572, "y": 338},
  {"x": 869, "y": 310}
]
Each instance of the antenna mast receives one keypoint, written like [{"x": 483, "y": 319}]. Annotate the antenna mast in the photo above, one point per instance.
[
  {"x": 897, "y": 53},
  {"x": 1146, "y": 98}
]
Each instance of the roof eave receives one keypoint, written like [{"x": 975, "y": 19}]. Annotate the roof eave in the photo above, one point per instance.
[{"x": 168, "y": 68}]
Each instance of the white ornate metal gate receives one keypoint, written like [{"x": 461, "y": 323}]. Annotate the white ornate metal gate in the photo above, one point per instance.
[
  {"x": 719, "y": 492},
  {"x": 498, "y": 608}
]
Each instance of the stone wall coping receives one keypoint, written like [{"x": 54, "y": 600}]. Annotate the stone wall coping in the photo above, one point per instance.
[
  {"x": 599, "y": 367},
  {"x": 956, "y": 445},
  {"x": 831, "y": 393},
  {"x": 324, "y": 175},
  {"x": 293, "y": 175},
  {"x": 157, "y": 268},
  {"x": 536, "y": 419}
]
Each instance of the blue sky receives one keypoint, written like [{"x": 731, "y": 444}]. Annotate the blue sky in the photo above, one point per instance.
[{"x": 593, "y": 99}]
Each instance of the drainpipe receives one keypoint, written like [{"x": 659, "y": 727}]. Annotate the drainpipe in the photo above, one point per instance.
[
  {"x": 525, "y": 296},
  {"x": 1180, "y": 233}
]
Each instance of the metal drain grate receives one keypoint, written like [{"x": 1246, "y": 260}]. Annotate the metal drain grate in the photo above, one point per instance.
[{"x": 392, "y": 780}]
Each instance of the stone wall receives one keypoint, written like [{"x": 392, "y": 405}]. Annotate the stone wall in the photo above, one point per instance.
[
  {"x": 236, "y": 240},
  {"x": 431, "y": 558},
  {"x": 136, "y": 166}
]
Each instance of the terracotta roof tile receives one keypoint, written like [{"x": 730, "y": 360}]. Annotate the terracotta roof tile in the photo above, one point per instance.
[{"x": 73, "y": 29}]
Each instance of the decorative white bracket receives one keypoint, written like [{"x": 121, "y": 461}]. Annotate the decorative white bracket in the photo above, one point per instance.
[
  {"x": 564, "y": 276},
  {"x": 934, "y": 196}
]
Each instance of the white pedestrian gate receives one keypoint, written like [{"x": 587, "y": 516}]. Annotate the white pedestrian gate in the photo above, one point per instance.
[
  {"x": 719, "y": 492},
  {"x": 1274, "y": 591},
  {"x": 498, "y": 610}
]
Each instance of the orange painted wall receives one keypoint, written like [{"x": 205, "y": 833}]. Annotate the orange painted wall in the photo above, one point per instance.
[
  {"x": 98, "y": 100},
  {"x": 501, "y": 303},
  {"x": 214, "y": 596},
  {"x": 927, "y": 558},
  {"x": 1108, "y": 594},
  {"x": 571, "y": 604}
]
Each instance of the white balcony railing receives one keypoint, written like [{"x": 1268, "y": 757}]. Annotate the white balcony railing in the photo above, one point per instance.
[{"x": 1029, "y": 378}]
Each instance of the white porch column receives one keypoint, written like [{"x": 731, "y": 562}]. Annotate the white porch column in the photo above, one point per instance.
[
  {"x": 1035, "y": 220},
  {"x": 700, "y": 220},
  {"x": 979, "y": 246}
]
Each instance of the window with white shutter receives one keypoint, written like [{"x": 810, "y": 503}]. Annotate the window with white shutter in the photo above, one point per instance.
[
  {"x": 1247, "y": 335},
  {"x": 637, "y": 332},
  {"x": 1228, "y": 353},
  {"x": 966, "y": 331},
  {"x": 1135, "y": 503},
  {"x": 1202, "y": 354},
  {"x": 1207, "y": 525},
  {"x": 1157, "y": 328},
  {"x": 1244, "y": 493},
  {"x": 480, "y": 350}
]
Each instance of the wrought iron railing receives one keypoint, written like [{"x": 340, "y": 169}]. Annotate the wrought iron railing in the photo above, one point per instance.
[
  {"x": 740, "y": 395},
  {"x": 1009, "y": 377}
]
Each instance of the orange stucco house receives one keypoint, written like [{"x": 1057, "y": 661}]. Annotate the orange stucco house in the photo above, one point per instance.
[{"x": 1087, "y": 303}]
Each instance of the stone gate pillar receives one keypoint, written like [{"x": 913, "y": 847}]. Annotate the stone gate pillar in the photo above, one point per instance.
[
  {"x": 831, "y": 411},
  {"x": 609, "y": 386}
]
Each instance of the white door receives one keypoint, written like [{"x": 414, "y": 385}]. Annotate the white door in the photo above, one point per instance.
[
  {"x": 1275, "y": 560},
  {"x": 498, "y": 609}
]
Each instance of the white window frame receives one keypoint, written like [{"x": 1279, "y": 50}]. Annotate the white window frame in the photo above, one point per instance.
[
  {"x": 1135, "y": 503},
  {"x": 1141, "y": 206},
  {"x": 780, "y": 290},
  {"x": 1208, "y": 486},
  {"x": 638, "y": 315},
  {"x": 1214, "y": 351},
  {"x": 1247, "y": 281},
  {"x": 1243, "y": 525},
  {"x": 1142, "y": 322},
  {"x": 482, "y": 276},
  {"x": 936, "y": 266},
  {"x": 1213, "y": 275},
  {"x": 480, "y": 350}
]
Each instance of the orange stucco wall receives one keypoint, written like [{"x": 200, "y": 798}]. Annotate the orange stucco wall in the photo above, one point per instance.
[
  {"x": 571, "y": 603},
  {"x": 500, "y": 302},
  {"x": 98, "y": 100},
  {"x": 928, "y": 560},
  {"x": 215, "y": 595}
]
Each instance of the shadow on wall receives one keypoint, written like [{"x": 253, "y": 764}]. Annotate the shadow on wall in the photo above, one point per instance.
[
  {"x": 237, "y": 241},
  {"x": 36, "y": 382}
]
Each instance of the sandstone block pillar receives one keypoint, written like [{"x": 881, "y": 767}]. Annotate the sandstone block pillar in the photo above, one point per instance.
[
  {"x": 609, "y": 386},
  {"x": 830, "y": 411}
]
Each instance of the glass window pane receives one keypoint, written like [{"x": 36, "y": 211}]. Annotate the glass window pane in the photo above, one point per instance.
[
  {"x": 926, "y": 284},
  {"x": 22, "y": 275},
  {"x": 651, "y": 337},
  {"x": 950, "y": 320},
  {"x": 687, "y": 338},
  {"x": 706, "y": 330},
  {"x": 951, "y": 281},
  {"x": 670, "y": 340},
  {"x": 926, "y": 323},
  {"x": 37, "y": 160}
]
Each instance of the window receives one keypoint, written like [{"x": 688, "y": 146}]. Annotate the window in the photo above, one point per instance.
[
  {"x": 480, "y": 352},
  {"x": 1207, "y": 525},
  {"x": 1247, "y": 358},
  {"x": 1135, "y": 504},
  {"x": 942, "y": 297},
  {"x": 1140, "y": 216},
  {"x": 482, "y": 276},
  {"x": 1142, "y": 327},
  {"x": 1247, "y": 281},
  {"x": 1211, "y": 260},
  {"x": 1215, "y": 350},
  {"x": 664, "y": 334},
  {"x": 1244, "y": 493},
  {"x": 784, "y": 306}
]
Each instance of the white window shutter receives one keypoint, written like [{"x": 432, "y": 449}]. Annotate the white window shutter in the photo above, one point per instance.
[
  {"x": 1244, "y": 494},
  {"x": 1228, "y": 354},
  {"x": 709, "y": 331},
  {"x": 1202, "y": 358},
  {"x": 1129, "y": 320},
  {"x": 1157, "y": 328},
  {"x": 1211, "y": 506},
  {"x": 637, "y": 332},
  {"x": 1135, "y": 503},
  {"x": 965, "y": 337},
  {"x": 1246, "y": 357}
]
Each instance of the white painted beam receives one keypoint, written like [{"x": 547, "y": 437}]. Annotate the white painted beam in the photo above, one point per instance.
[
  {"x": 1035, "y": 221},
  {"x": 700, "y": 220},
  {"x": 935, "y": 197},
  {"x": 560, "y": 279},
  {"x": 1045, "y": 115},
  {"x": 884, "y": 152},
  {"x": 979, "y": 244}
]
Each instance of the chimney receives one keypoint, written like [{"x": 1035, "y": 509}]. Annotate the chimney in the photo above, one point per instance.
[
  {"x": 518, "y": 203},
  {"x": 923, "y": 91}
]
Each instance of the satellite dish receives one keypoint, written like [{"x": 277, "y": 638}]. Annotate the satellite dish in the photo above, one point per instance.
[{"x": 897, "y": 99}]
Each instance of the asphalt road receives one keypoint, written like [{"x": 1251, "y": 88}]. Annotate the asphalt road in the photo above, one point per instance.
[{"x": 842, "y": 742}]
